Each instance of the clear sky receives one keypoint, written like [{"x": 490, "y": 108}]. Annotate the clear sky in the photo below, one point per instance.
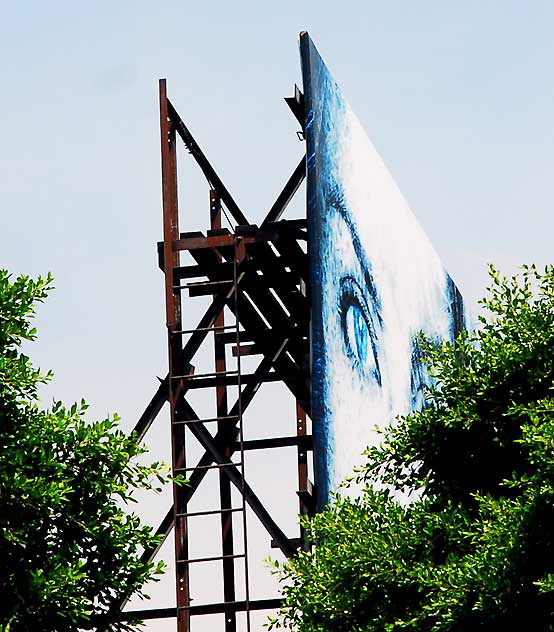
[{"x": 457, "y": 97}]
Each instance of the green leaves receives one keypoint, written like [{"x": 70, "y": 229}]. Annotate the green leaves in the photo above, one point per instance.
[
  {"x": 17, "y": 300},
  {"x": 474, "y": 548},
  {"x": 68, "y": 546}
]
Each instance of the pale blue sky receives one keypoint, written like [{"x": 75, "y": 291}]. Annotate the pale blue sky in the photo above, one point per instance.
[{"x": 457, "y": 97}]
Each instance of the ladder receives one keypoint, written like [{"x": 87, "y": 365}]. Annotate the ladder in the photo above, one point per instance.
[
  {"x": 228, "y": 423},
  {"x": 274, "y": 316}
]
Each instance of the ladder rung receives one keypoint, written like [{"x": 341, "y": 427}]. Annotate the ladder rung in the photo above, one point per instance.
[
  {"x": 188, "y": 514},
  {"x": 236, "y": 380},
  {"x": 207, "y": 467},
  {"x": 192, "y": 376},
  {"x": 227, "y": 606},
  {"x": 213, "y": 328},
  {"x": 203, "y": 421},
  {"x": 216, "y": 287},
  {"x": 203, "y": 287},
  {"x": 211, "y": 559},
  {"x": 199, "y": 283}
]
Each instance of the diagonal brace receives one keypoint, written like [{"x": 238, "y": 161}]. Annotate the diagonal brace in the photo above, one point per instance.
[
  {"x": 197, "y": 476},
  {"x": 204, "y": 164},
  {"x": 286, "y": 195},
  {"x": 209, "y": 443}
]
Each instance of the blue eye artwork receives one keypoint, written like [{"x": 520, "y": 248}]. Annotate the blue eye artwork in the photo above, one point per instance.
[
  {"x": 358, "y": 332},
  {"x": 376, "y": 285}
]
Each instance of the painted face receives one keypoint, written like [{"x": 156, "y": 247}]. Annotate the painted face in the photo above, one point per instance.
[
  {"x": 377, "y": 284},
  {"x": 373, "y": 315}
]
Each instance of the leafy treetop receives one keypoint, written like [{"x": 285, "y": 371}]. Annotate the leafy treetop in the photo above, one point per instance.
[
  {"x": 474, "y": 547},
  {"x": 69, "y": 549}
]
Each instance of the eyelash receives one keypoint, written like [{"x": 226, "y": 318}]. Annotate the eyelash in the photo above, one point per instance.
[{"x": 360, "y": 345}]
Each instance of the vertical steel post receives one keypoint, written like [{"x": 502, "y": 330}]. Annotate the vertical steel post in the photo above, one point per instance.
[
  {"x": 239, "y": 256},
  {"x": 227, "y": 544},
  {"x": 173, "y": 321},
  {"x": 303, "y": 484}
]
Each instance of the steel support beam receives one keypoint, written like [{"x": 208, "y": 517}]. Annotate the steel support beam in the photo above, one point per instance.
[
  {"x": 197, "y": 476},
  {"x": 222, "y": 410},
  {"x": 212, "y": 608},
  {"x": 176, "y": 364},
  {"x": 205, "y": 166},
  {"x": 286, "y": 195},
  {"x": 271, "y": 314},
  {"x": 296, "y": 104},
  {"x": 209, "y": 444}
]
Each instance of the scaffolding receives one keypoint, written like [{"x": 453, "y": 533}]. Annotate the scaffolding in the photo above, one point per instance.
[{"x": 258, "y": 277}]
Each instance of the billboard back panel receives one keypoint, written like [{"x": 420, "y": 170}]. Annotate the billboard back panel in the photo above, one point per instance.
[{"x": 376, "y": 281}]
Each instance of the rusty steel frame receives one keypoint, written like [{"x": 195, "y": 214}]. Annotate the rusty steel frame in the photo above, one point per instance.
[
  {"x": 259, "y": 275},
  {"x": 222, "y": 412}
]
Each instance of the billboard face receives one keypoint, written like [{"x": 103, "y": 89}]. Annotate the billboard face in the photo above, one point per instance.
[{"x": 376, "y": 284}]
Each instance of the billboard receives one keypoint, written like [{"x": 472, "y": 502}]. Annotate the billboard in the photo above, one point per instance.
[{"x": 376, "y": 284}]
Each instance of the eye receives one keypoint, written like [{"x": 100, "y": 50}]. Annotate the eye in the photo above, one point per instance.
[{"x": 358, "y": 333}]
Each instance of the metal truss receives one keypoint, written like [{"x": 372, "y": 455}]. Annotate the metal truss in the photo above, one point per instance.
[{"x": 258, "y": 275}]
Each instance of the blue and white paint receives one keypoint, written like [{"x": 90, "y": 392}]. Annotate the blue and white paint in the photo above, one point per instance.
[{"x": 376, "y": 284}]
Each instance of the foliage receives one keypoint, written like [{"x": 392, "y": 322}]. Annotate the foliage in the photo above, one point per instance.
[
  {"x": 474, "y": 547},
  {"x": 68, "y": 548}
]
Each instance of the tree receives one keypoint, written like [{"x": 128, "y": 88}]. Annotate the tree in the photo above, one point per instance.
[
  {"x": 473, "y": 548},
  {"x": 69, "y": 549}
]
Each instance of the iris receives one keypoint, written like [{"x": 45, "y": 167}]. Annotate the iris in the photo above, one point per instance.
[{"x": 358, "y": 334}]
